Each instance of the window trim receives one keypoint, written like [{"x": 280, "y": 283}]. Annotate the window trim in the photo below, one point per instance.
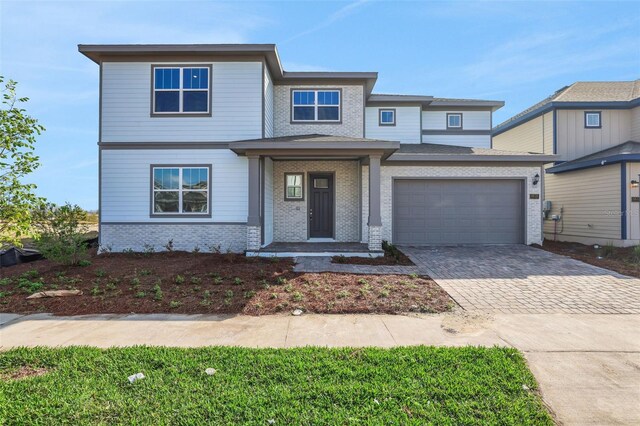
[
  {"x": 301, "y": 174},
  {"x": 454, "y": 127},
  {"x": 153, "y": 214},
  {"x": 599, "y": 114},
  {"x": 316, "y": 90},
  {"x": 380, "y": 111},
  {"x": 153, "y": 113}
]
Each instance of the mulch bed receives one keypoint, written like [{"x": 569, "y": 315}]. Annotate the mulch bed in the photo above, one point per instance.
[
  {"x": 387, "y": 259},
  {"x": 204, "y": 283},
  {"x": 620, "y": 259}
]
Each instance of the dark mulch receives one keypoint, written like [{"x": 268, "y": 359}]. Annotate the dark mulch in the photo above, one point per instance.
[
  {"x": 400, "y": 259},
  {"x": 618, "y": 259},
  {"x": 191, "y": 283}
]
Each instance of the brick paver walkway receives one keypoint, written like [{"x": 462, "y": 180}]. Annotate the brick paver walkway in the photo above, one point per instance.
[{"x": 521, "y": 279}]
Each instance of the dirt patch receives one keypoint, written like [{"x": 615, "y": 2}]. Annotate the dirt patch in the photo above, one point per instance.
[
  {"x": 464, "y": 322},
  {"x": 204, "y": 283},
  {"x": 618, "y": 259},
  {"x": 23, "y": 372}
]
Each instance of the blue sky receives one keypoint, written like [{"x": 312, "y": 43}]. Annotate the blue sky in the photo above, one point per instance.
[{"x": 518, "y": 52}]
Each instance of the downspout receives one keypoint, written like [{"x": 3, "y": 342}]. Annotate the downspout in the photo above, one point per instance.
[{"x": 623, "y": 200}]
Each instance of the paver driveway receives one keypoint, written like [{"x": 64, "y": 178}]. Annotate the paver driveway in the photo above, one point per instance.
[{"x": 522, "y": 279}]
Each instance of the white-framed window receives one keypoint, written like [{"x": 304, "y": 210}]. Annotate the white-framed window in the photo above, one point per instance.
[
  {"x": 294, "y": 186},
  {"x": 454, "y": 120},
  {"x": 180, "y": 190},
  {"x": 387, "y": 117},
  {"x": 181, "y": 90},
  {"x": 592, "y": 120},
  {"x": 315, "y": 105}
]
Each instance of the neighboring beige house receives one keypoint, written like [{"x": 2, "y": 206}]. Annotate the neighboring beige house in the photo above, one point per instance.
[{"x": 594, "y": 129}]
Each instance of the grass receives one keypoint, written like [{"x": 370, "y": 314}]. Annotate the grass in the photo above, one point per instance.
[{"x": 411, "y": 385}]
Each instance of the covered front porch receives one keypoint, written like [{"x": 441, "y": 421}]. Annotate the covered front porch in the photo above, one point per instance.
[{"x": 306, "y": 195}]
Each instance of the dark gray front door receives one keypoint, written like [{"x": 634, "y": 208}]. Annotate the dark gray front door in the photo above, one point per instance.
[
  {"x": 321, "y": 206},
  {"x": 458, "y": 211}
]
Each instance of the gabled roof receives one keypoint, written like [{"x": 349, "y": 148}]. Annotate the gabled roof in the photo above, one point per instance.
[
  {"x": 628, "y": 151},
  {"x": 582, "y": 94}
]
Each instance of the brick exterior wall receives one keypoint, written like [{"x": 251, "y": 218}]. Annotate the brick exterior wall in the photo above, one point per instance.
[
  {"x": 119, "y": 237},
  {"x": 290, "y": 217},
  {"x": 533, "y": 207},
  {"x": 375, "y": 238},
  {"x": 352, "y": 113},
  {"x": 253, "y": 238}
]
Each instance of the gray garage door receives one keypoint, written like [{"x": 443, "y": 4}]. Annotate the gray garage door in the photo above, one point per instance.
[{"x": 457, "y": 211}]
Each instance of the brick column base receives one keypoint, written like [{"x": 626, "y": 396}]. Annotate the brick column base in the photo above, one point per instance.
[
  {"x": 375, "y": 238},
  {"x": 253, "y": 238}
]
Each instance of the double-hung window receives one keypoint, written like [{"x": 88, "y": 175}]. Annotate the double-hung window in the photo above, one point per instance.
[
  {"x": 454, "y": 121},
  {"x": 181, "y": 90},
  {"x": 592, "y": 120},
  {"x": 315, "y": 105},
  {"x": 180, "y": 190}
]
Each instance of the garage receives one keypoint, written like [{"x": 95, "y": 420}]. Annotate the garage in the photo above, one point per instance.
[{"x": 458, "y": 211}]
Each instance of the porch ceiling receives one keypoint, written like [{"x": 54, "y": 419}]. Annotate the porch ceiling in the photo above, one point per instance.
[{"x": 315, "y": 147}]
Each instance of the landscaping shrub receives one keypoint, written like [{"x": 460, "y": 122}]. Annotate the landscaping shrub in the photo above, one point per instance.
[
  {"x": 391, "y": 250},
  {"x": 60, "y": 233}
]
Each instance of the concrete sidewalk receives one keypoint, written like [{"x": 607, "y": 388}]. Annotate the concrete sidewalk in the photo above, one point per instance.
[{"x": 588, "y": 366}]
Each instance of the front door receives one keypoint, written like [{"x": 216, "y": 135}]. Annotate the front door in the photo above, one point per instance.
[{"x": 320, "y": 205}]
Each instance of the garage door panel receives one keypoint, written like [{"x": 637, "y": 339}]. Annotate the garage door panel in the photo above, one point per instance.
[{"x": 458, "y": 211}]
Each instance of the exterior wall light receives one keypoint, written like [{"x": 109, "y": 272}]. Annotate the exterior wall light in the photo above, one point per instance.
[
  {"x": 634, "y": 183},
  {"x": 536, "y": 179}
]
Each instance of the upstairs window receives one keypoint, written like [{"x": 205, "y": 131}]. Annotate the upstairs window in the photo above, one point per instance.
[
  {"x": 592, "y": 120},
  {"x": 315, "y": 105},
  {"x": 181, "y": 90},
  {"x": 387, "y": 117},
  {"x": 454, "y": 121},
  {"x": 180, "y": 190}
]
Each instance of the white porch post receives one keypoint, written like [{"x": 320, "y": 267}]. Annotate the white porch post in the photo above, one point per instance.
[
  {"x": 375, "y": 220},
  {"x": 253, "y": 219}
]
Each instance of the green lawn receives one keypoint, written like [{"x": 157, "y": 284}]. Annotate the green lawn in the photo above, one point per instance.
[{"x": 411, "y": 385}]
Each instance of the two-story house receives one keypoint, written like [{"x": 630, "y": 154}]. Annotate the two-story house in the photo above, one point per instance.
[
  {"x": 591, "y": 192},
  {"x": 217, "y": 146}
]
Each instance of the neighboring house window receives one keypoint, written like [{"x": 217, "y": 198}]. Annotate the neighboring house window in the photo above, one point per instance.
[
  {"x": 592, "y": 120},
  {"x": 454, "y": 121},
  {"x": 316, "y": 105},
  {"x": 387, "y": 117},
  {"x": 181, "y": 90},
  {"x": 180, "y": 190},
  {"x": 293, "y": 186}
]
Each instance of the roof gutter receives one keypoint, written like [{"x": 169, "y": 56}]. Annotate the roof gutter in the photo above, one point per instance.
[
  {"x": 604, "y": 161},
  {"x": 542, "y": 159}
]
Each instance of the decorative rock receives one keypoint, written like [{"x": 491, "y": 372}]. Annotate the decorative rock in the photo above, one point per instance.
[
  {"x": 297, "y": 312},
  {"x": 55, "y": 293}
]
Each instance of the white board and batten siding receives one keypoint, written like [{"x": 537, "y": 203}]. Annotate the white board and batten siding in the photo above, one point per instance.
[
  {"x": 471, "y": 120},
  {"x": 406, "y": 129},
  {"x": 237, "y": 90},
  {"x": 126, "y": 183}
]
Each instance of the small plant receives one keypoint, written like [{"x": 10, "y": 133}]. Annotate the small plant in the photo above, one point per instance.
[
  {"x": 297, "y": 297},
  {"x": 341, "y": 259},
  {"x": 179, "y": 279},
  {"x": 261, "y": 274},
  {"x": 264, "y": 284},
  {"x": 110, "y": 286},
  {"x": 237, "y": 281},
  {"x": 30, "y": 274},
  {"x": 157, "y": 292},
  {"x": 207, "y": 294},
  {"x": 169, "y": 246},
  {"x": 249, "y": 294},
  {"x": 342, "y": 294},
  {"x": 100, "y": 273},
  {"x": 128, "y": 250},
  {"x": 384, "y": 293},
  {"x": 145, "y": 272},
  {"x": 273, "y": 296},
  {"x": 84, "y": 263},
  {"x": 95, "y": 291},
  {"x": 105, "y": 249},
  {"x": 195, "y": 250},
  {"x": 214, "y": 248},
  {"x": 413, "y": 276},
  {"x": 175, "y": 304},
  {"x": 281, "y": 280},
  {"x": 148, "y": 249},
  {"x": 5, "y": 281},
  {"x": 135, "y": 281},
  {"x": 362, "y": 281},
  {"x": 636, "y": 253},
  {"x": 140, "y": 294},
  {"x": 217, "y": 279},
  {"x": 364, "y": 290},
  {"x": 196, "y": 280},
  {"x": 391, "y": 250},
  {"x": 228, "y": 294},
  {"x": 30, "y": 286},
  {"x": 608, "y": 250},
  {"x": 288, "y": 288}
]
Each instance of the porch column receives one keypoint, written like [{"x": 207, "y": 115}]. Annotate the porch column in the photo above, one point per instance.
[
  {"x": 375, "y": 220},
  {"x": 253, "y": 219}
]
